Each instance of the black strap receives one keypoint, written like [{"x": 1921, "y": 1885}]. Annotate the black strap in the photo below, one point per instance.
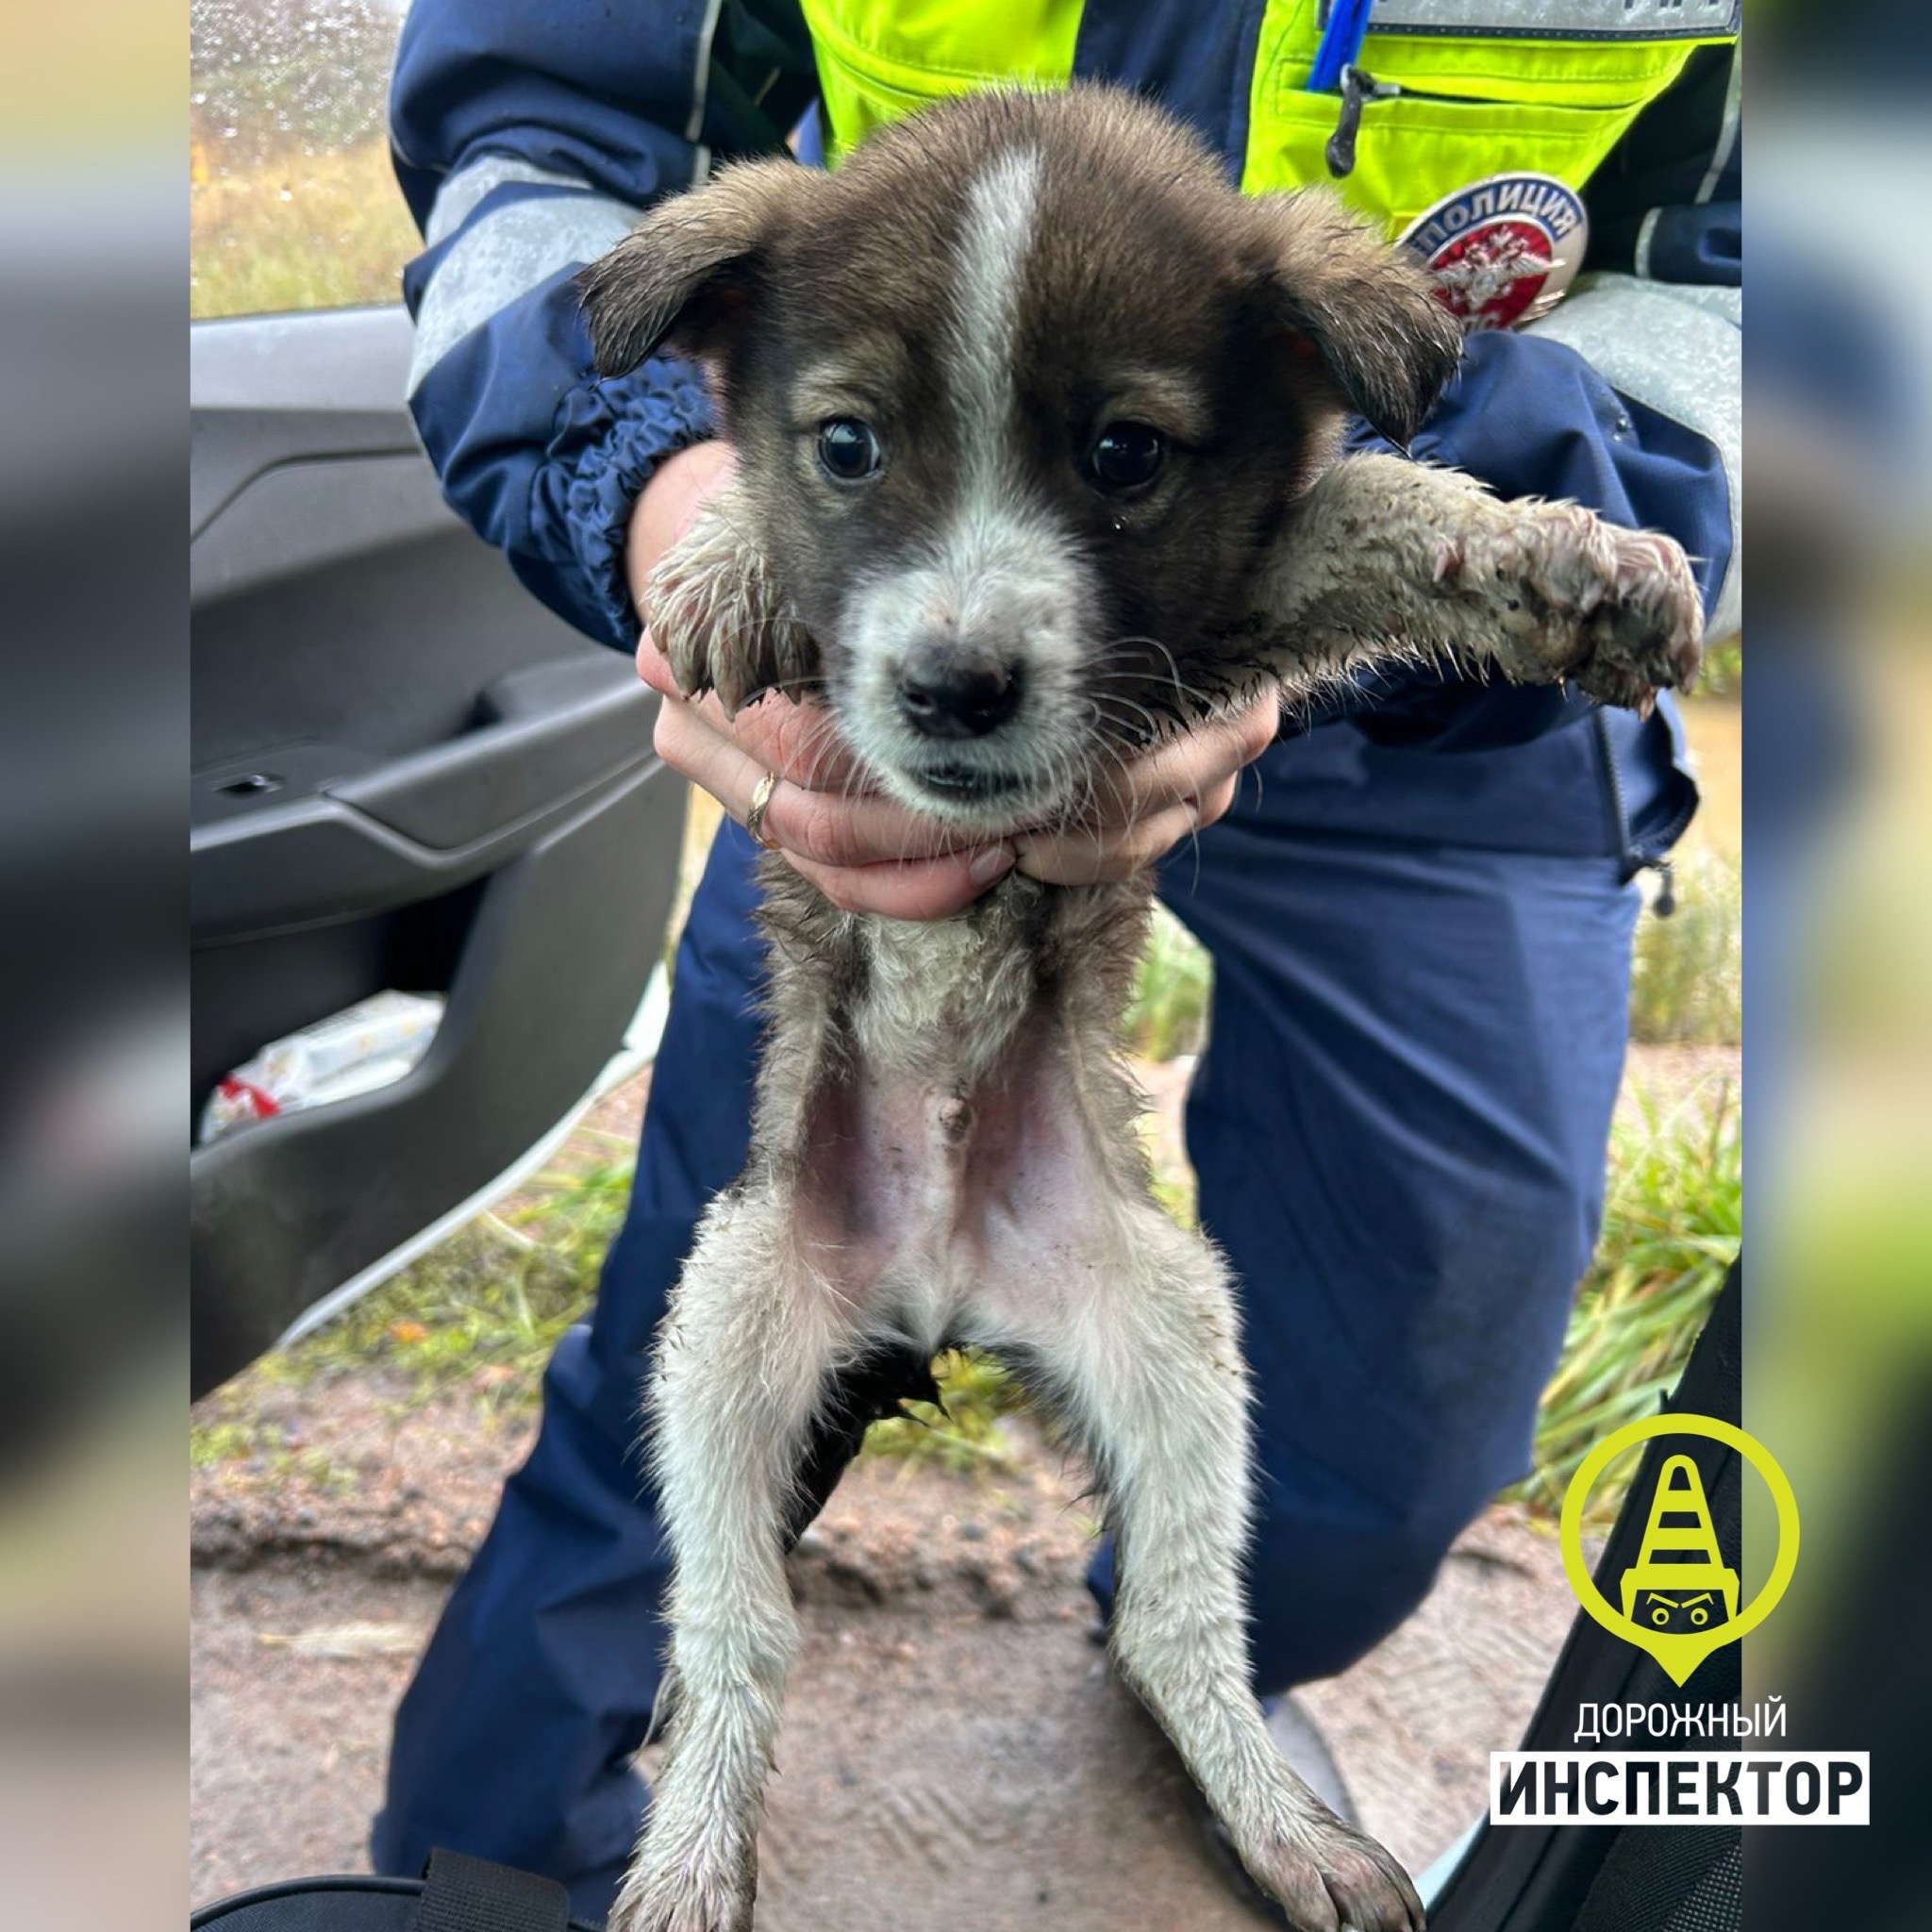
[{"x": 465, "y": 1894}]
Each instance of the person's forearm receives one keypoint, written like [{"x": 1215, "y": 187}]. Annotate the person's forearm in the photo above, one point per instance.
[{"x": 521, "y": 167}]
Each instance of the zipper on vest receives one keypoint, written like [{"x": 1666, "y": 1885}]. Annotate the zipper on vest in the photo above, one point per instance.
[{"x": 1357, "y": 86}]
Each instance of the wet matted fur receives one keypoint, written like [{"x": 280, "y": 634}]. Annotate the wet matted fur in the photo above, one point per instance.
[{"x": 942, "y": 1148}]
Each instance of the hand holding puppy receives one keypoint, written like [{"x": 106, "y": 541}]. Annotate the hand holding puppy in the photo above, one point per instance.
[{"x": 864, "y": 852}]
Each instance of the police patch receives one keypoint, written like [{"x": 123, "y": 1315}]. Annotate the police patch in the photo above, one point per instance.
[{"x": 1503, "y": 250}]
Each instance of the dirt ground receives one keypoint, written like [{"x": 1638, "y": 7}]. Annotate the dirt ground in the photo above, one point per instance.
[{"x": 956, "y": 1750}]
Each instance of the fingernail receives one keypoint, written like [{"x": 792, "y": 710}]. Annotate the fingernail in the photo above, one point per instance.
[{"x": 988, "y": 865}]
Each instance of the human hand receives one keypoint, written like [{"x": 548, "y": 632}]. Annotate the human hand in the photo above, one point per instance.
[
  {"x": 865, "y": 852},
  {"x": 1151, "y": 803}
]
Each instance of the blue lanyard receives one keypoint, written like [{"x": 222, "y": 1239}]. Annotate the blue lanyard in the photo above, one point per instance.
[{"x": 1341, "y": 44}]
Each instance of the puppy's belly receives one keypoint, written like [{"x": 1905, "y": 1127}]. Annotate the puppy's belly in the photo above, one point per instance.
[{"x": 955, "y": 1211}]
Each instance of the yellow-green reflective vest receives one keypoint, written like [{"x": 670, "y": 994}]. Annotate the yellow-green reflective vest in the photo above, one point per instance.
[{"x": 1489, "y": 87}]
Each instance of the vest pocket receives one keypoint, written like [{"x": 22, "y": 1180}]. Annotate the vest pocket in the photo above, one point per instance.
[
  {"x": 1461, "y": 108},
  {"x": 1414, "y": 149}
]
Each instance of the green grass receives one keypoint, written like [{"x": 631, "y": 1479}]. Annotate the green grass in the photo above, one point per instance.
[
  {"x": 297, "y": 231},
  {"x": 966, "y": 1434},
  {"x": 1172, "y": 986},
  {"x": 1722, "y": 674},
  {"x": 228, "y": 1440},
  {"x": 225, "y": 1440},
  {"x": 1673, "y": 1224},
  {"x": 481, "y": 1313},
  {"x": 1686, "y": 972}
]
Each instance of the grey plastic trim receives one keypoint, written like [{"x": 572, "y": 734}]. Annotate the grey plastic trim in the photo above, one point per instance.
[
  {"x": 345, "y": 360},
  {"x": 419, "y": 826},
  {"x": 296, "y": 517},
  {"x": 267, "y": 390},
  {"x": 321, "y": 861},
  {"x": 598, "y": 722},
  {"x": 639, "y": 1049}
]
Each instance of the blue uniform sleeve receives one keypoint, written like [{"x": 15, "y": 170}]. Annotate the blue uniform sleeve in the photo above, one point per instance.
[{"x": 528, "y": 134}]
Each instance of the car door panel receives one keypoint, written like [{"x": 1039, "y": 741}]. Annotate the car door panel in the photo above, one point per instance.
[
  {"x": 287, "y": 1210},
  {"x": 407, "y": 774}
]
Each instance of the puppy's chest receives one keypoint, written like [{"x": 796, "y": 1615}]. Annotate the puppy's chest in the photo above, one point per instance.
[
  {"x": 943, "y": 998},
  {"x": 944, "y": 1155}
]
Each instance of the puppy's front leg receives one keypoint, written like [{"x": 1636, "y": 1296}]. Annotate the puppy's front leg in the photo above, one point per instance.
[
  {"x": 744, "y": 1359},
  {"x": 1384, "y": 558},
  {"x": 1154, "y": 1387},
  {"x": 719, "y": 617}
]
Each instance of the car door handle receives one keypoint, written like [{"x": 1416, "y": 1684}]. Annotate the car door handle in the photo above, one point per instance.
[{"x": 544, "y": 743}]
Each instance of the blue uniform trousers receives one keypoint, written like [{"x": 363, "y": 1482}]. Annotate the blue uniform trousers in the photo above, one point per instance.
[{"x": 1399, "y": 1126}]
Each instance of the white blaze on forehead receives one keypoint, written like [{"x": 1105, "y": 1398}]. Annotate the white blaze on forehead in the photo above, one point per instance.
[
  {"x": 995, "y": 566},
  {"x": 1002, "y": 207}
]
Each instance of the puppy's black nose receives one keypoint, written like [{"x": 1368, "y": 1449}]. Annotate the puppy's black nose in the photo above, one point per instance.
[{"x": 948, "y": 690}]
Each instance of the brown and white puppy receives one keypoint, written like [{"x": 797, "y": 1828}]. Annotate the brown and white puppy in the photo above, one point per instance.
[{"x": 1036, "y": 420}]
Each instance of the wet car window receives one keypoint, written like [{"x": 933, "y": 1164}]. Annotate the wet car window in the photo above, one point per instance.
[{"x": 293, "y": 205}]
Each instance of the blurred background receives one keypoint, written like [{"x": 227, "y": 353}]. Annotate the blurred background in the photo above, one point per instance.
[
  {"x": 93, "y": 1046},
  {"x": 1838, "y": 921}
]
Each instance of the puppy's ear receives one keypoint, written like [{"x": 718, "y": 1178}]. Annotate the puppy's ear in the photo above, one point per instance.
[
  {"x": 1388, "y": 344},
  {"x": 688, "y": 270}
]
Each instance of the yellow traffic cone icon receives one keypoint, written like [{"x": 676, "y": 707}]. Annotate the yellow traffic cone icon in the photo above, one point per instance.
[{"x": 1679, "y": 1572}]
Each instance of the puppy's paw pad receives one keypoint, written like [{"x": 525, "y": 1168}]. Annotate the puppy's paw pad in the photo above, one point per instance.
[
  {"x": 712, "y": 608},
  {"x": 1615, "y": 609},
  {"x": 1657, "y": 639},
  {"x": 1328, "y": 1878}
]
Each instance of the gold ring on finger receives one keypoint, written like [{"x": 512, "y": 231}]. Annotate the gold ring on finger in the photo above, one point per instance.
[{"x": 760, "y": 801}]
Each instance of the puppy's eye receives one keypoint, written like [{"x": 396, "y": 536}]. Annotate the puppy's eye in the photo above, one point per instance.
[
  {"x": 1125, "y": 455},
  {"x": 849, "y": 450}
]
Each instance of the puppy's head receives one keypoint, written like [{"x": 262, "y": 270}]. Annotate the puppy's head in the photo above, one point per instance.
[{"x": 1021, "y": 394}]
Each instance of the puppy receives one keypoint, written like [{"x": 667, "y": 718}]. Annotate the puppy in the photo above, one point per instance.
[{"x": 1037, "y": 423}]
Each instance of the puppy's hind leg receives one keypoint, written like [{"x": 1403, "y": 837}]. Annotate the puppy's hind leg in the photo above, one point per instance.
[
  {"x": 1151, "y": 1378},
  {"x": 746, "y": 1356}
]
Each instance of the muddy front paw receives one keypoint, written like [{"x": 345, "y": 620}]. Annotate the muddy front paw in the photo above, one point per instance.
[
  {"x": 712, "y": 608},
  {"x": 1575, "y": 597},
  {"x": 1328, "y": 1877}
]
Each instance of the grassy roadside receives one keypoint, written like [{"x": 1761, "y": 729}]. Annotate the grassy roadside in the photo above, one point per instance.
[{"x": 325, "y": 230}]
